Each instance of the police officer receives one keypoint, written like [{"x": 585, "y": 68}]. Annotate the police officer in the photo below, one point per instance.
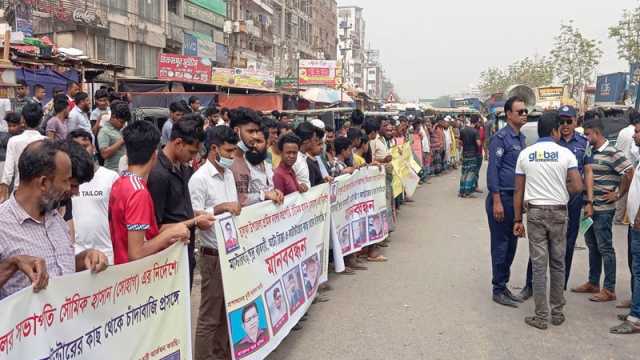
[
  {"x": 578, "y": 144},
  {"x": 504, "y": 148}
]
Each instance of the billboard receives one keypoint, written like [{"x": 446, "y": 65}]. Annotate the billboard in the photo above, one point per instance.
[
  {"x": 474, "y": 103},
  {"x": 173, "y": 67},
  {"x": 244, "y": 78},
  {"x": 318, "y": 72},
  {"x": 550, "y": 93},
  {"x": 610, "y": 88}
]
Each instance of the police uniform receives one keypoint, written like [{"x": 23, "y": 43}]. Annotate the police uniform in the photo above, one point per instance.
[{"x": 504, "y": 148}]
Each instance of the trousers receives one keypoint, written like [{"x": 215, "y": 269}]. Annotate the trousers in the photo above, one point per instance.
[
  {"x": 503, "y": 242},
  {"x": 599, "y": 239}
]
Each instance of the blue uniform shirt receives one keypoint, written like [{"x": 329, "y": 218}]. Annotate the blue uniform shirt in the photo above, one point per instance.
[
  {"x": 504, "y": 148},
  {"x": 578, "y": 145}
]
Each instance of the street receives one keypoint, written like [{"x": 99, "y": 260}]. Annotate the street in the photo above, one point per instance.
[{"x": 432, "y": 300}]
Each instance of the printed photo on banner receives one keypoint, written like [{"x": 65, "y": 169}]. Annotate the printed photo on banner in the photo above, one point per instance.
[
  {"x": 249, "y": 328},
  {"x": 385, "y": 222},
  {"x": 311, "y": 274},
  {"x": 277, "y": 307},
  {"x": 172, "y": 356},
  {"x": 229, "y": 234},
  {"x": 359, "y": 230},
  {"x": 376, "y": 230},
  {"x": 293, "y": 284},
  {"x": 344, "y": 236},
  {"x": 333, "y": 192}
]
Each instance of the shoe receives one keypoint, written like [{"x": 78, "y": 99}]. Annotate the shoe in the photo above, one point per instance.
[
  {"x": 526, "y": 293},
  {"x": 325, "y": 287},
  {"x": 536, "y": 322},
  {"x": 557, "y": 320},
  {"x": 296, "y": 327},
  {"x": 503, "y": 299},
  {"x": 510, "y": 295},
  {"x": 586, "y": 288},
  {"x": 624, "y": 305},
  {"x": 603, "y": 296}
]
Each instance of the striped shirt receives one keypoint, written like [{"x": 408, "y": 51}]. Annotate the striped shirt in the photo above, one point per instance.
[{"x": 608, "y": 164}]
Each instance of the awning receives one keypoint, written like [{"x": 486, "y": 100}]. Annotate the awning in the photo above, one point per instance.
[{"x": 325, "y": 95}]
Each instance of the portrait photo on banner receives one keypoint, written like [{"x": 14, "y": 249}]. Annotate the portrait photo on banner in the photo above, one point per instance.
[
  {"x": 293, "y": 287},
  {"x": 311, "y": 274},
  {"x": 359, "y": 231},
  {"x": 277, "y": 306},
  {"x": 376, "y": 229},
  {"x": 385, "y": 222},
  {"x": 344, "y": 237},
  {"x": 333, "y": 193},
  {"x": 229, "y": 234},
  {"x": 249, "y": 330}
]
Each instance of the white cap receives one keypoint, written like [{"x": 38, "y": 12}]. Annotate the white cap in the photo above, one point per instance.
[{"x": 317, "y": 123}]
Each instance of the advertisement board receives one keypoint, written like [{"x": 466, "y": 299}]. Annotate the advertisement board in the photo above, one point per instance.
[
  {"x": 317, "y": 72},
  {"x": 244, "y": 78},
  {"x": 610, "y": 88},
  {"x": 173, "y": 67}
]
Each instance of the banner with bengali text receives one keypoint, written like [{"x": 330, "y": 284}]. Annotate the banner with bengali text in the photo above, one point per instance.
[
  {"x": 272, "y": 259},
  {"x": 358, "y": 211},
  {"x": 139, "y": 310}
]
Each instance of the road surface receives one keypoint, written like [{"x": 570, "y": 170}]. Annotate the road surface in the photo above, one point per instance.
[{"x": 432, "y": 300}]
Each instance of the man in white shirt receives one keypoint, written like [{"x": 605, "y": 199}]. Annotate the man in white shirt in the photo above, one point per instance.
[
  {"x": 102, "y": 113},
  {"x": 213, "y": 191},
  {"x": 625, "y": 143},
  {"x": 31, "y": 115},
  {"x": 307, "y": 134},
  {"x": 260, "y": 186},
  {"x": 79, "y": 115},
  {"x": 545, "y": 175},
  {"x": 91, "y": 206}
]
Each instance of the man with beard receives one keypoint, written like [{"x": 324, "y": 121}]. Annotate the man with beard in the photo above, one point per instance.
[
  {"x": 79, "y": 116},
  {"x": 261, "y": 186},
  {"x": 29, "y": 223}
]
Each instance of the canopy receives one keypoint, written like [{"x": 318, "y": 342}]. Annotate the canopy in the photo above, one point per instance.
[{"x": 325, "y": 95}]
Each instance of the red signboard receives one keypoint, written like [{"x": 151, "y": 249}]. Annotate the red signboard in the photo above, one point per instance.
[{"x": 173, "y": 67}]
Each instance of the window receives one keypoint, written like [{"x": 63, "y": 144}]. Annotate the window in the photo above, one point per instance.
[
  {"x": 112, "y": 50},
  {"x": 150, "y": 10},
  {"x": 173, "y": 6},
  {"x": 116, "y": 6},
  {"x": 146, "y": 60}
]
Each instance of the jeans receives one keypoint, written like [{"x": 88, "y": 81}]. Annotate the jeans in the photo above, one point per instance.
[
  {"x": 634, "y": 249},
  {"x": 599, "y": 240},
  {"x": 547, "y": 246},
  {"x": 630, "y": 234},
  {"x": 503, "y": 242}
]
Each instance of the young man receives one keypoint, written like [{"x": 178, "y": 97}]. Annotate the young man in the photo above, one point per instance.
[
  {"x": 470, "y": 144},
  {"x": 194, "y": 104},
  {"x": 307, "y": 134},
  {"x": 225, "y": 117},
  {"x": 343, "y": 152},
  {"x": 14, "y": 128},
  {"x": 176, "y": 111},
  {"x": 73, "y": 88},
  {"x": 261, "y": 173},
  {"x": 79, "y": 116},
  {"x": 22, "y": 96},
  {"x": 612, "y": 175},
  {"x": 58, "y": 125},
  {"x": 39, "y": 94},
  {"x": 169, "y": 180},
  {"x": 31, "y": 117},
  {"x": 381, "y": 154},
  {"x": 101, "y": 115},
  {"x": 284, "y": 177},
  {"x": 313, "y": 152},
  {"x": 213, "y": 191},
  {"x": 110, "y": 141},
  {"x": 132, "y": 222},
  {"x": 437, "y": 147},
  {"x": 91, "y": 205},
  {"x": 546, "y": 173}
]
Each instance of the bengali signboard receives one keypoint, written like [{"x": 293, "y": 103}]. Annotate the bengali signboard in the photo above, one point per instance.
[
  {"x": 610, "y": 88},
  {"x": 358, "y": 210},
  {"x": 318, "y": 72},
  {"x": 173, "y": 67},
  {"x": 272, "y": 259},
  {"x": 550, "y": 93},
  {"x": 244, "y": 78},
  {"x": 139, "y": 310},
  {"x": 286, "y": 82},
  {"x": 217, "y": 6}
]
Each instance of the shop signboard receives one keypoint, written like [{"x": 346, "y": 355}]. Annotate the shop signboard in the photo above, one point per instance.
[
  {"x": 317, "y": 72},
  {"x": 174, "y": 67}
]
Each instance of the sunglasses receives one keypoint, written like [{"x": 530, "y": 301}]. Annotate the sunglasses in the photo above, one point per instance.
[
  {"x": 566, "y": 121},
  {"x": 523, "y": 112}
]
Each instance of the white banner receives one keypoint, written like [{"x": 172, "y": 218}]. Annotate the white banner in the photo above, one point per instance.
[
  {"x": 139, "y": 310},
  {"x": 272, "y": 258}
]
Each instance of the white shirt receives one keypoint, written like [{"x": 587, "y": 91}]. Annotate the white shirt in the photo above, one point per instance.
[
  {"x": 426, "y": 146},
  {"x": 633, "y": 199},
  {"x": 261, "y": 181},
  {"x": 15, "y": 147},
  {"x": 302, "y": 170},
  {"x": 625, "y": 142},
  {"x": 208, "y": 188},
  {"x": 100, "y": 115},
  {"x": 78, "y": 119},
  {"x": 546, "y": 165},
  {"x": 91, "y": 213},
  {"x": 5, "y": 107},
  {"x": 447, "y": 140}
]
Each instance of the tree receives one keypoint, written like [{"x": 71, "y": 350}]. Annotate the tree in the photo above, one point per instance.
[
  {"x": 493, "y": 80},
  {"x": 574, "y": 58},
  {"x": 627, "y": 35},
  {"x": 532, "y": 72}
]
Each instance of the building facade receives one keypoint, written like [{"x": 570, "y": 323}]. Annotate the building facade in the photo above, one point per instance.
[
  {"x": 373, "y": 74},
  {"x": 351, "y": 45}
]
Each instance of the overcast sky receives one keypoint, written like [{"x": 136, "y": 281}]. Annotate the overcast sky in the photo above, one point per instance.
[{"x": 436, "y": 47}]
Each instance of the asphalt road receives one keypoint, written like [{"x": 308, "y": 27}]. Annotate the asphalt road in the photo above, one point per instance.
[{"x": 432, "y": 300}]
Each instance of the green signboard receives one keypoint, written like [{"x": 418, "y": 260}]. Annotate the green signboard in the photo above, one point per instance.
[
  {"x": 283, "y": 82},
  {"x": 217, "y": 6}
]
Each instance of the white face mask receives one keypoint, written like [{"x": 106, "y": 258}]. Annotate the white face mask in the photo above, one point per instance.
[
  {"x": 224, "y": 162},
  {"x": 243, "y": 146}
]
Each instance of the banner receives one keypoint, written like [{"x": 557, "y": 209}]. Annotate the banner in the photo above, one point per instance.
[
  {"x": 404, "y": 177},
  {"x": 244, "y": 78},
  {"x": 272, "y": 259},
  {"x": 318, "y": 72},
  {"x": 358, "y": 211},
  {"x": 610, "y": 88},
  {"x": 173, "y": 67},
  {"x": 139, "y": 310}
]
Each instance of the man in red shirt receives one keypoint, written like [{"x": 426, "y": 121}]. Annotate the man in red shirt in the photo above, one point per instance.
[
  {"x": 132, "y": 222},
  {"x": 284, "y": 178}
]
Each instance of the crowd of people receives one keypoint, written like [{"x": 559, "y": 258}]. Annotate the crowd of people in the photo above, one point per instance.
[
  {"x": 85, "y": 188},
  {"x": 565, "y": 179}
]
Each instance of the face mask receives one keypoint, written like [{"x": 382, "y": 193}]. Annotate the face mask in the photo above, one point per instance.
[
  {"x": 225, "y": 162},
  {"x": 255, "y": 157},
  {"x": 243, "y": 146}
]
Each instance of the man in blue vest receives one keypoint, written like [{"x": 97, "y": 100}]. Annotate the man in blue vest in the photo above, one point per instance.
[{"x": 504, "y": 149}]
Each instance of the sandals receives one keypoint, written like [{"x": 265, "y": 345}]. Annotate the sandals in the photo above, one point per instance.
[
  {"x": 348, "y": 271},
  {"x": 378, "y": 258},
  {"x": 536, "y": 322},
  {"x": 626, "y": 328}
]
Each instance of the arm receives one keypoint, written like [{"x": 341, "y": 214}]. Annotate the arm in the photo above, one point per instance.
[
  {"x": 109, "y": 151},
  {"x": 588, "y": 185},
  {"x": 574, "y": 183},
  {"x": 91, "y": 259},
  {"x": 158, "y": 186},
  {"x": 625, "y": 182},
  {"x": 139, "y": 247},
  {"x": 518, "y": 199},
  {"x": 495, "y": 160},
  {"x": 34, "y": 268}
]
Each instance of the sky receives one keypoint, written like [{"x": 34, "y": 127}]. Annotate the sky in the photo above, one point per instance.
[{"x": 430, "y": 48}]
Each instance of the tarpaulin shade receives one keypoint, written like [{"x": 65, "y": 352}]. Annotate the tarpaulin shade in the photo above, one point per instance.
[
  {"x": 261, "y": 102},
  {"x": 48, "y": 78},
  {"x": 325, "y": 95}
]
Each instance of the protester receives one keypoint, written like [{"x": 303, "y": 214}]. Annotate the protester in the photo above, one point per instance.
[
  {"x": 73, "y": 88},
  {"x": 176, "y": 111},
  {"x": 169, "y": 180},
  {"x": 225, "y": 117},
  {"x": 261, "y": 185},
  {"x": 110, "y": 140},
  {"x": 343, "y": 150},
  {"x": 381, "y": 154},
  {"x": 437, "y": 147},
  {"x": 306, "y": 132},
  {"x": 194, "y": 104},
  {"x": 22, "y": 97},
  {"x": 314, "y": 164},
  {"x": 79, "y": 115},
  {"x": 101, "y": 115},
  {"x": 39, "y": 94},
  {"x": 470, "y": 144},
  {"x": 213, "y": 191},
  {"x": 612, "y": 175},
  {"x": 212, "y": 115},
  {"x": 31, "y": 117},
  {"x": 284, "y": 176},
  {"x": 14, "y": 127},
  {"x": 132, "y": 221},
  {"x": 272, "y": 131},
  {"x": 504, "y": 150},
  {"x": 29, "y": 223},
  {"x": 58, "y": 125}
]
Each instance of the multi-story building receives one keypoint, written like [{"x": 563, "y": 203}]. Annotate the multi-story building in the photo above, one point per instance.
[
  {"x": 251, "y": 43},
  {"x": 373, "y": 74},
  {"x": 325, "y": 21},
  {"x": 293, "y": 35},
  {"x": 351, "y": 45}
]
